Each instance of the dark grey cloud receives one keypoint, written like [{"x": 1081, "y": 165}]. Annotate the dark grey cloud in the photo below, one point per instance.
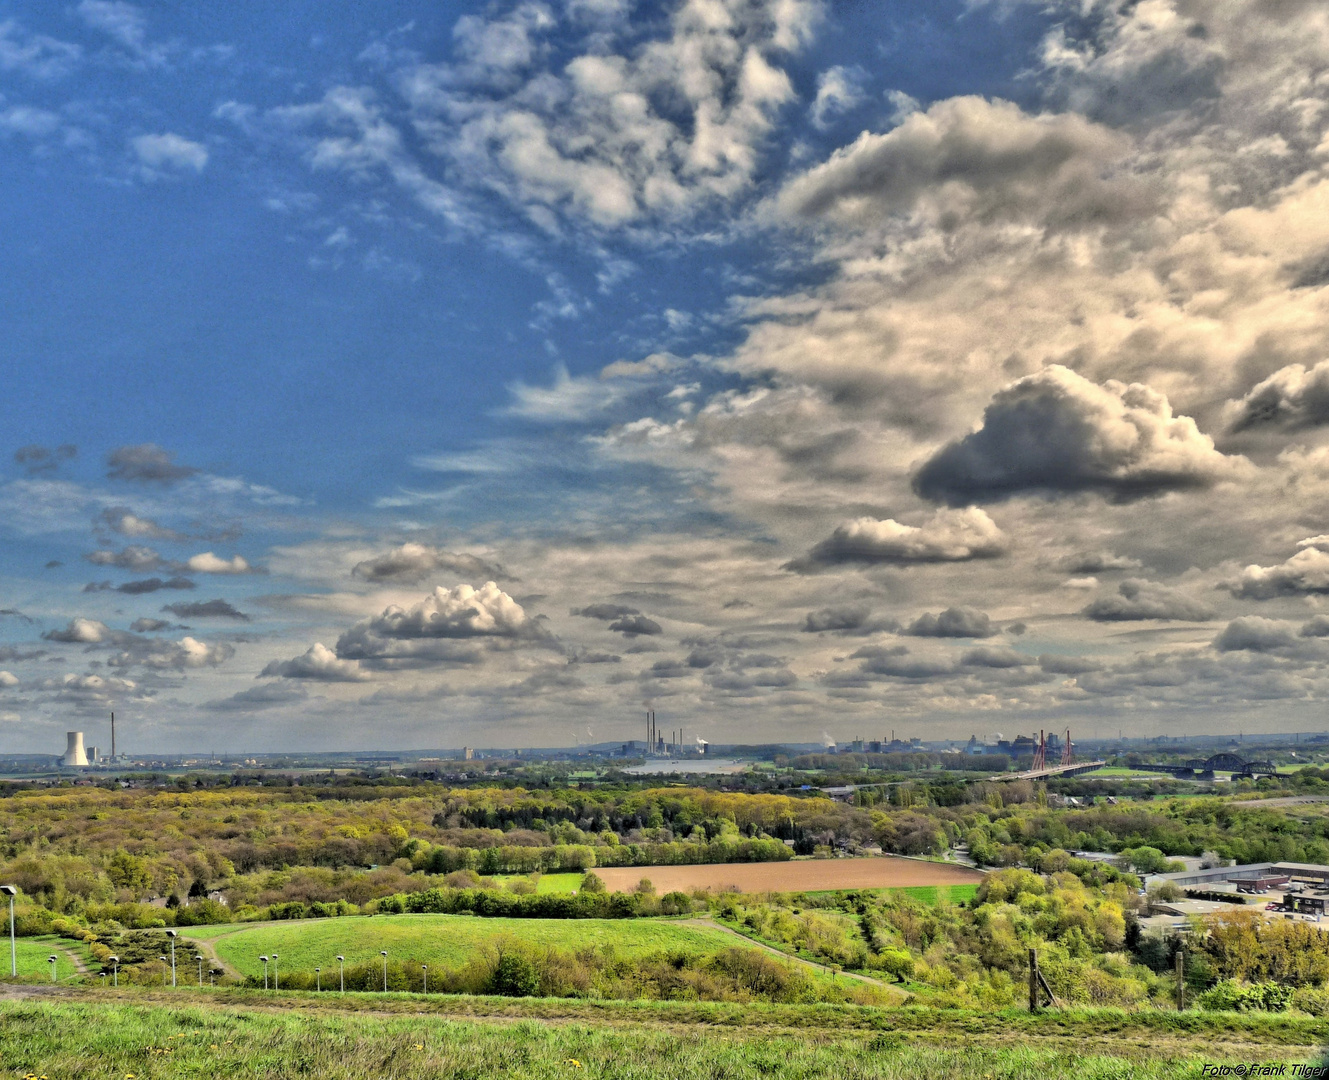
[
  {"x": 595, "y": 658},
  {"x": 1098, "y": 562},
  {"x": 839, "y": 617},
  {"x": 539, "y": 684},
  {"x": 14, "y": 613},
  {"x": 605, "y": 611},
  {"x": 970, "y": 159},
  {"x": 1109, "y": 63},
  {"x": 145, "y": 463},
  {"x": 38, "y": 460},
  {"x": 848, "y": 619},
  {"x": 138, "y": 588},
  {"x": 1255, "y": 634},
  {"x": 1139, "y": 599},
  {"x": 669, "y": 669},
  {"x": 267, "y": 696},
  {"x": 414, "y": 562},
  {"x": 948, "y": 536},
  {"x": 149, "y": 626},
  {"x": 736, "y": 603},
  {"x": 751, "y": 681},
  {"x": 954, "y": 622},
  {"x": 80, "y": 631},
  {"x": 1315, "y": 627},
  {"x": 161, "y": 655},
  {"x": 896, "y": 662},
  {"x": 704, "y": 656},
  {"x": 319, "y": 663},
  {"x": 1291, "y": 399},
  {"x": 122, "y": 520},
  {"x": 1305, "y": 574},
  {"x": 632, "y": 625},
  {"x": 1000, "y": 657},
  {"x": 136, "y": 558},
  {"x": 206, "y": 609},
  {"x": 1056, "y": 433},
  {"x": 1068, "y": 665}
]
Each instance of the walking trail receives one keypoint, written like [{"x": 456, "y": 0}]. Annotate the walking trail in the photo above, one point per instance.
[{"x": 711, "y": 924}]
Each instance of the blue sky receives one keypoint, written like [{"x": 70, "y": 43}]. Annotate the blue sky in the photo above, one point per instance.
[{"x": 893, "y": 365}]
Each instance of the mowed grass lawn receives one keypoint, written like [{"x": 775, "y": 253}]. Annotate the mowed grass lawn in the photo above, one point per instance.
[
  {"x": 447, "y": 940},
  {"x": 32, "y": 957}
]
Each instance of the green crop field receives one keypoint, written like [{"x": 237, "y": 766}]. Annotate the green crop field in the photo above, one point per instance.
[
  {"x": 562, "y": 884},
  {"x": 549, "y": 884},
  {"x": 110, "y": 1037},
  {"x": 446, "y": 940}
]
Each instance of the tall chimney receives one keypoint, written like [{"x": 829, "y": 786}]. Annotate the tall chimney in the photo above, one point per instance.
[{"x": 113, "y": 738}]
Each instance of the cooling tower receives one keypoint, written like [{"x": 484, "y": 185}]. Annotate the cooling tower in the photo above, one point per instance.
[{"x": 74, "y": 753}]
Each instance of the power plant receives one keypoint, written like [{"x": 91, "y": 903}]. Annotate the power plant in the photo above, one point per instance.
[{"x": 75, "y": 756}]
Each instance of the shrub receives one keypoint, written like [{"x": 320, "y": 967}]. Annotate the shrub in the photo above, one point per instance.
[
  {"x": 517, "y": 973},
  {"x": 1232, "y": 996}
]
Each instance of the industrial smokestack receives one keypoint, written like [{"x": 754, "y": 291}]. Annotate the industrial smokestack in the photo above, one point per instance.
[{"x": 75, "y": 755}]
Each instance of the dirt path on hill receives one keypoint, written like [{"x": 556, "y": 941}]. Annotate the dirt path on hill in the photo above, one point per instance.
[
  {"x": 79, "y": 966},
  {"x": 711, "y": 924},
  {"x": 209, "y": 951}
]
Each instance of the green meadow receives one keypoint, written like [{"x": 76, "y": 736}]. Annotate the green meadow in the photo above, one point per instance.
[
  {"x": 116, "y": 1037},
  {"x": 447, "y": 940}
]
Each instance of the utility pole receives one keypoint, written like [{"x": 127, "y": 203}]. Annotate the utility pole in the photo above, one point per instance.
[
  {"x": 1033, "y": 980},
  {"x": 1181, "y": 980},
  {"x": 112, "y": 738}
]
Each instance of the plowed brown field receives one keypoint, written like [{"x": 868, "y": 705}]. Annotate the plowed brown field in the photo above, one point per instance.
[{"x": 803, "y": 875}]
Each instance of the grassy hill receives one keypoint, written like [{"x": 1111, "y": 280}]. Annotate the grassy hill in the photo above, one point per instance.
[{"x": 447, "y": 940}]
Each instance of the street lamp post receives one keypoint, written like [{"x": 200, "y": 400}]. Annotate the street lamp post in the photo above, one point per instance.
[
  {"x": 172, "y": 935},
  {"x": 318, "y": 979},
  {"x": 341, "y": 964},
  {"x": 425, "y": 969},
  {"x": 274, "y": 971},
  {"x": 51, "y": 960},
  {"x": 265, "y": 971},
  {"x": 199, "y": 958},
  {"x": 103, "y": 978},
  {"x": 115, "y": 970},
  {"x": 383, "y": 953},
  {"x": 11, "y": 891}
]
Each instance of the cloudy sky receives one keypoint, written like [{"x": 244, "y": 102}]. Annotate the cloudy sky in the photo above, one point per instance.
[{"x": 406, "y": 375}]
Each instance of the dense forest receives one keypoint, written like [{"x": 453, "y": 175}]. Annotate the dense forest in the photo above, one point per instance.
[
  {"x": 105, "y": 863},
  {"x": 249, "y": 846}
]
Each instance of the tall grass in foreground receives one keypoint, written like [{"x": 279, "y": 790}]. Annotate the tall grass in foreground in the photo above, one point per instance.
[{"x": 153, "y": 1043}]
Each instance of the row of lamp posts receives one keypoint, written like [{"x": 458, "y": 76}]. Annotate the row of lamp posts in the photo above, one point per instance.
[
  {"x": 11, "y": 891},
  {"x": 318, "y": 973}
]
